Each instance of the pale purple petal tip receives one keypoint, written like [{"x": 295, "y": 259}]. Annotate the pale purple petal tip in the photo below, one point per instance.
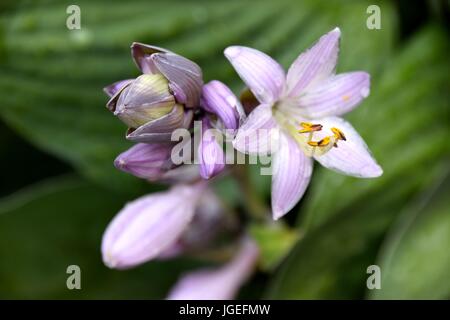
[
  {"x": 335, "y": 96},
  {"x": 290, "y": 177},
  {"x": 263, "y": 75},
  {"x": 351, "y": 157},
  {"x": 147, "y": 226},
  {"x": 210, "y": 152},
  {"x": 141, "y": 53},
  {"x": 314, "y": 65},
  {"x": 218, "y": 284},
  {"x": 112, "y": 89},
  {"x": 218, "y": 99}
]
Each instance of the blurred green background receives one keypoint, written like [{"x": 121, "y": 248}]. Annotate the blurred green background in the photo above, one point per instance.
[{"x": 59, "y": 189}]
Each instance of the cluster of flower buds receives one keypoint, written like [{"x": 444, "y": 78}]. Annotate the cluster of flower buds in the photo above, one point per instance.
[{"x": 170, "y": 95}]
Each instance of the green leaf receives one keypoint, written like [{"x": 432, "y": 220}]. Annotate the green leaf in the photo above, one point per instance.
[
  {"x": 416, "y": 260},
  {"x": 330, "y": 262},
  {"x": 345, "y": 218},
  {"x": 51, "y": 78},
  {"x": 57, "y": 223},
  {"x": 275, "y": 241}
]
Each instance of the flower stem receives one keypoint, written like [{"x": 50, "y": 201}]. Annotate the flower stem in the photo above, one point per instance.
[{"x": 256, "y": 208}]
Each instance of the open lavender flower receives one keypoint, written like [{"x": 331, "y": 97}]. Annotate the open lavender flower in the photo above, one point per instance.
[
  {"x": 161, "y": 99},
  {"x": 300, "y": 111},
  {"x": 218, "y": 284}
]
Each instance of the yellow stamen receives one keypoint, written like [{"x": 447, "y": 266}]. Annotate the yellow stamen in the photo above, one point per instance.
[
  {"x": 346, "y": 97},
  {"x": 321, "y": 143},
  {"x": 320, "y": 147},
  {"x": 309, "y": 127},
  {"x": 339, "y": 135}
]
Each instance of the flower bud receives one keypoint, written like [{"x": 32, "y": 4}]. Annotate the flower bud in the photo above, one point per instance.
[
  {"x": 210, "y": 152},
  {"x": 154, "y": 104},
  {"x": 146, "y": 161},
  {"x": 218, "y": 284},
  {"x": 145, "y": 99},
  {"x": 149, "y": 225},
  {"x": 184, "y": 76}
]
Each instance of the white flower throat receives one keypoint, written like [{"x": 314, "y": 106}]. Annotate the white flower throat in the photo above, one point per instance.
[{"x": 303, "y": 133}]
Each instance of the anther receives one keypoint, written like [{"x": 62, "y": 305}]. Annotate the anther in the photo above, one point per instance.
[
  {"x": 321, "y": 143},
  {"x": 309, "y": 127},
  {"x": 338, "y": 134}
]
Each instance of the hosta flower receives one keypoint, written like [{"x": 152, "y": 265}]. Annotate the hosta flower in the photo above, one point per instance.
[
  {"x": 222, "y": 118},
  {"x": 302, "y": 109},
  {"x": 148, "y": 226},
  {"x": 161, "y": 99},
  {"x": 218, "y": 284}
]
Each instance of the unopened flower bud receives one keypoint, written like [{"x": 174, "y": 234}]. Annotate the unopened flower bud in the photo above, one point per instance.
[
  {"x": 145, "y": 99},
  {"x": 210, "y": 152},
  {"x": 146, "y": 161},
  {"x": 148, "y": 226},
  {"x": 159, "y": 101}
]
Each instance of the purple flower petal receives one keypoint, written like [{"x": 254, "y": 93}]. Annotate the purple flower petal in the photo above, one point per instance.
[
  {"x": 210, "y": 153},
  {"x": 218, "y": 284},
  {"x": 259, "y": 132},
  {"x": 160, "y": 130},
  {"x": 146, "y": 161},
  {"x": 263, "y": 75},
  {"x": 185, "y": 77},
  {"x": 112, "y": 103},
  {"x": 335, "y": 96},
  {"x": 141, "y": 53},
  {"x": 291, "y": 175},
  {"x": 218, "y": 99},
  {"x": 351, "y": 157},
  {"x": 112, "y": 89},
  {"x": 144, "y": 99},
  {"x": 314, "y": 65},
  {"x": 149, "y": 225}
]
